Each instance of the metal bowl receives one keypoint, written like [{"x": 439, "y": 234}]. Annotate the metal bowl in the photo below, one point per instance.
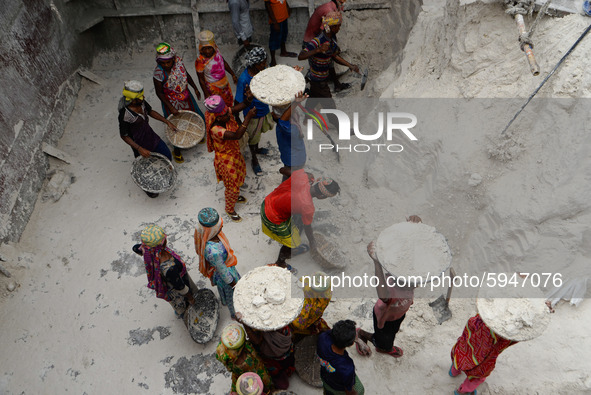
[{"x": 154, "y": 174}]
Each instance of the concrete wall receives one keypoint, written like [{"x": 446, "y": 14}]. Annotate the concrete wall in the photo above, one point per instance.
[
  {"x": 141, "y": 32},
  {"x": 40, "y": 55}
]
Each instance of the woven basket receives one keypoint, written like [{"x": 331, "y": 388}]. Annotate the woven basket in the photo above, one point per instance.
[
  {"x": 307, "y": 364},
  {"x": 191, "y": 129},
  {"x": 327, "y": 254},
  {"x": 154, "y": 174}
]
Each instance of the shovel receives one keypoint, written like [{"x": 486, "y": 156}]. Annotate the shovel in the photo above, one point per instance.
[
  {"x": 363, "y": 76},
  {"x": 440, "y": 305}
]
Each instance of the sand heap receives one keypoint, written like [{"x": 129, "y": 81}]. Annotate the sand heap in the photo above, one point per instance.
[
  {"x": 407, "y": 249},
  {"x": 267, "y": 298},
  {"x": 277, "y": 85}
]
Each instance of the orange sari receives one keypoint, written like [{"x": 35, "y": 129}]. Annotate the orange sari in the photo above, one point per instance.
[{"x": 228, "y": 163}]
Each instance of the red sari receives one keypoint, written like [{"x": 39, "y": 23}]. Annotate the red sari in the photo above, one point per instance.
[{"x": 477, "y": 350}]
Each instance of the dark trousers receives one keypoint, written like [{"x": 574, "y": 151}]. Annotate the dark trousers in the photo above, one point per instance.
[
  {"x": 278, "y": 38},
  {"x": 384, "y": 338},
  {"x": 320, "y": 96}
]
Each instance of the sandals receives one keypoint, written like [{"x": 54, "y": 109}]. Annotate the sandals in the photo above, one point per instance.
[
  {"x": 464, "y": 393},
  {"x": 178, "y": 158},
  {"x": 396, "y": 352},
  {"x": 241, "y": 199},
  {"x": 361, "y": 346},
  {"x": 263, "y": 151},
  {"x": 234, "y": 216},
  {"x": 301, "y": 249}
]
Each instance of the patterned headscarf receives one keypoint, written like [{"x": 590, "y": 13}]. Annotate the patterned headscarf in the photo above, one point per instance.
[
  {"x": 233, "y": 336},
  {"x": 153, "y": 238},
  {"x": 255, "y": 56},
  {"x": 209, "y": 218},
  {"x": 215, "y": 104},
  {"x": 206, "y": 39},
  {"x": 322, "y": 184},
  {"x": 320, "y": 282},
  {"x": 249, "y": 383},
  {"x": 164, "y": 52},
  {"x": 204, "y": 232},
  {"x": 331, "y": 19},
  {"x": 132, "y": 90}
]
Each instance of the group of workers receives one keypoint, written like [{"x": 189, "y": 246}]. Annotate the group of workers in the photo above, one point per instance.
[
  {"x": 262, "y": 361},
  {"x": 224, "y": 110}
]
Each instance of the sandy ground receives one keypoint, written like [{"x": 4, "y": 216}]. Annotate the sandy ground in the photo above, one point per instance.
[{"x": 82, "y": 320}]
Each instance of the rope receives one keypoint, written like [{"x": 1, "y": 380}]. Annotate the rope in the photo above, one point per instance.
[
  {"x": 523, "y": 7},
  {"x": 524, "y": 40},
  {"x": 541, "y": 13},
  {"x": 526, "y": 7}
]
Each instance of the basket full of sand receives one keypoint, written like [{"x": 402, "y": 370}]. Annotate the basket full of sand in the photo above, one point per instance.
[
  {"x": 268, "y": 298},
  {"x": 278, "y": 85},
  {"x": 517, "y": 312},
  {"x": 409, "y": 249}
]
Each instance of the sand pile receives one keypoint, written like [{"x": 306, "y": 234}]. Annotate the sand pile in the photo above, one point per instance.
[
  {"x": 267, "y": 298},
  {"x": 408, "y": 249},
  {"x": 277, "y": 85}
]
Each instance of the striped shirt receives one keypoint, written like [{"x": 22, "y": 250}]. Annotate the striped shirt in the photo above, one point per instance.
[{"x": 321, "y": 62}]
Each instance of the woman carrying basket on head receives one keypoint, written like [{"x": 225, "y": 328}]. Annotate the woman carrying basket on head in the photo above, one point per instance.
[
  {"x": 171, "y": 82},
  {"x": 211, "y": 69},
  {"x": 239, "y": 356}
]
